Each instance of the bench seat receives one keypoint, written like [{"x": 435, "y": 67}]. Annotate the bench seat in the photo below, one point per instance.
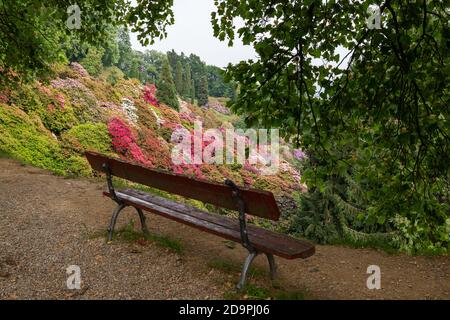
[{"x": 262, "y": 239}]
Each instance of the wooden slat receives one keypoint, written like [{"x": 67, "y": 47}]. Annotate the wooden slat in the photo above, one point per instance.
[
  {"x": 263, "y": 240},
  {"x": 258, "y": 202},
  {"x": 253, "y": 231}
]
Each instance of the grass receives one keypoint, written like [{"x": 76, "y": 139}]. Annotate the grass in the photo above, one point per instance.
[
  {"x": 7, "y": 155},
  {"x": 254, "y": 291},
  {"x": 4, "y": 154},
  {"x": 384, "y": 246},
  {"x": 232, "y": 268},
  {"x": 127, "y": 233}
]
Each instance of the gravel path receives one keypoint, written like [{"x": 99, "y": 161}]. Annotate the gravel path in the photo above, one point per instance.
[{"x": 48, "y": 223}]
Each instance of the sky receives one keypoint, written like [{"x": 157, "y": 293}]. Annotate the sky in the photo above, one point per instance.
[{"x": 193, "y": 33}]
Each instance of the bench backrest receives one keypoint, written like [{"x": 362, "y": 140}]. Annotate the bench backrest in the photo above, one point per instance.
[{"x": 257, "y": 202}]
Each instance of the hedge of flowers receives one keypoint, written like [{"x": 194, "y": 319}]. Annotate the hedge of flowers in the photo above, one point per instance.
[
  {"x": 149, "y": 95},
  {"x": 78, "y": 112},
  {"x": 124, "y": 141}
]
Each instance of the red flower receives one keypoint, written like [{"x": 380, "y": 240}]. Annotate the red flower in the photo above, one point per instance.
[
  {"x": 124, "y": 142},
  {"x": 149, "y": 95}
]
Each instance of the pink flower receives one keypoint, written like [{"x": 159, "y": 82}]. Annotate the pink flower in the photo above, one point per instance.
[
  {"x": 125, "y": 143},
  {"x": 299, "y": 154},
  {"x": 149, "y": 95}
]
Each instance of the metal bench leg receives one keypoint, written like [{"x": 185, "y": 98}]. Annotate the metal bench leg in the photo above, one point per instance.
[
  {"x": 247, "y": 263},
  {"x": 114, "y": 219},
  {"x": 142, "y": 218},
  {"x": 273, "y": 266}
]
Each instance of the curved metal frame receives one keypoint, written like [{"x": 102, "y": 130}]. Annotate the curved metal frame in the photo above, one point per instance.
[
  {"x": 120, "y": 205},
  {"x": 237, "y": 195}
]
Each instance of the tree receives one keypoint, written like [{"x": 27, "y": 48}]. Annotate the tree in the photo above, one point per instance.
[
  {"x": 125, "y": 51},
  {"x": 93, "y": 61},
  {"x": 112, "y": 54},
  {"x": 192, "y": 91},
  {"x": 179, "y": 78},
  {"x": 377, "y": 115},
  {"x": 32, "y": 33},
  {"x": 187, "y": 82},
  {"x": 166, "y": 92},
  {"x": 203, "y": 92}
]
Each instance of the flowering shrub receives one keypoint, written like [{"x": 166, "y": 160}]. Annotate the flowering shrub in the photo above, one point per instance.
[
  {"x": 188, "y": 117},
  {"x": 155, "y": 148},
  {"x": 68, "y": 83},
  {"x": 107, "y": 105},
  {"x": 149, "y": 95},
  {"x": 169, "y": 115},
  {"x": 159, "y": 121},
  {"x": 250, "y": 168},
  {"x": 219, "y": 108},
  {"x": 78, "y": 68},
  {"x": 129, "y": 109},
  {"x": 60, "y": 98},
  {"x": 3, "y": 98},
  {"x": 124, "y": 141},
  {"x": 299, "y": 154},
  {"x": 126, "y": 119}
]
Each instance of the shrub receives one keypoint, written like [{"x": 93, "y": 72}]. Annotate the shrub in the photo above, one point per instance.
[
  {"x": 112, "y": 75},
  {"x": 90, "y": 136},
  {"x": 27, "y": 141},
  {"x": 124, "y": 141},
  {"x": 149, "y": 95},
  {"x": 93, "y": 61}
]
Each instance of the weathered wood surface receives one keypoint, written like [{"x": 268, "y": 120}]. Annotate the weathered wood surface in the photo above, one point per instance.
[
  {"x": 258, "y": 202},
  {"x": 262, "y": 239}
]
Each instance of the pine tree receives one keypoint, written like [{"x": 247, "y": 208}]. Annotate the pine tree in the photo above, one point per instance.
[
  {"x": 166, "y": 92},
  {"x": 203, "y": 92},
  {"x": 187, "y": 82},
  {"x": 192, "y": 91},
  {"x": 179, "y": 78}
]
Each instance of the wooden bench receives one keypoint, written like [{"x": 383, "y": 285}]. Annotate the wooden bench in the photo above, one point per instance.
[{"x": 246, "y": 201}]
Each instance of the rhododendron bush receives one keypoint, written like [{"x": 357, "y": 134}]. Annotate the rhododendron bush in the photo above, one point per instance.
[
  {"x": 150, "y": 95},
  {"x": 124, "y": 141},
  {"x": 136, "y": 126}
]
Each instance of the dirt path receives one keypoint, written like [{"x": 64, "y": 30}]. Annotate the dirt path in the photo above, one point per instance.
[{"x": 47, "y": 223}]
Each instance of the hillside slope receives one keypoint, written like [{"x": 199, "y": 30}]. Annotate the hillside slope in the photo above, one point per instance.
[{"x": 50, "y": 125}]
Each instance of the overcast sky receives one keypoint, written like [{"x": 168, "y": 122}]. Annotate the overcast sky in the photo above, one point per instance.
[{"x": 192, "y": 33}]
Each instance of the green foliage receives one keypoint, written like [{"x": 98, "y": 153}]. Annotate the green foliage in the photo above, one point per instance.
[
  {"x": 203, "y": 92},
  {"x": 112, "y": 75},
  {"x": 196, "y": 69},
  {"x": 129, "y": 234},
  {"x": 89, "y": 136},
  {"x": 93, "y": 61},
  {"x": 179, "y": 78},
  {"x": 54, "y": 112},
  {"x": 166, "y": 92},
  {"x": 24, "y": 139},
  {"x": 383, "y": 119},
  {"x": 32, "y": 31},
  {"x": 187, "y": 83},
  {"x": 192, "y": 91},
  {"x": 315, "y": 219},
  {"x": 217, "y": 87},
  {"x": 57, "y": 119},
  {"x": 112, "y": 54}
]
